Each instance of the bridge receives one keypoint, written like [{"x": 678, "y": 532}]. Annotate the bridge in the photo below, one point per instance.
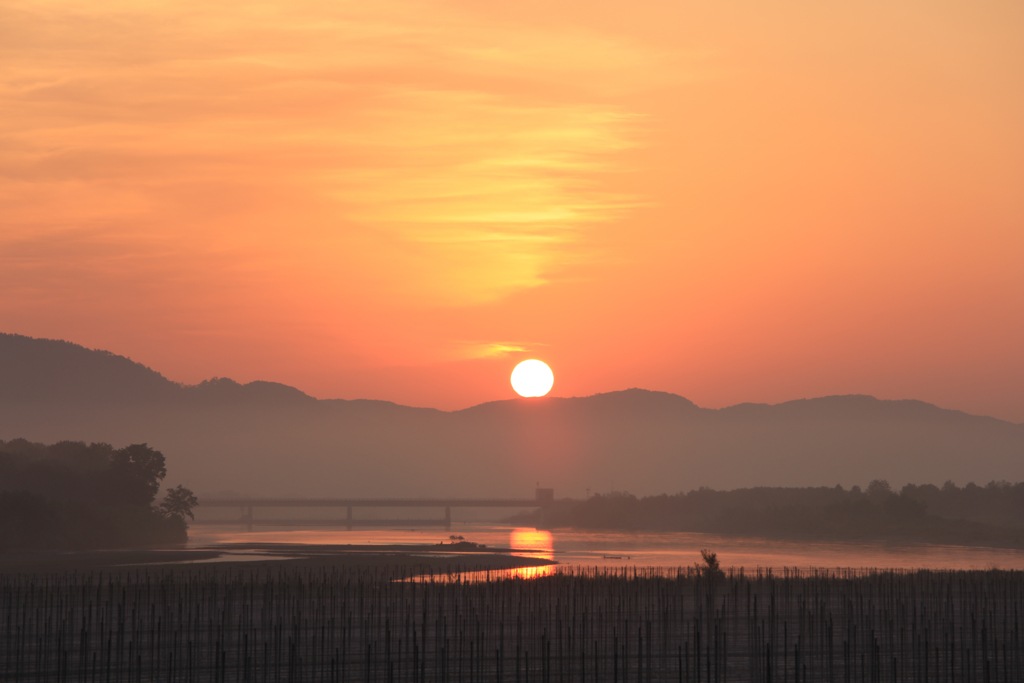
[{"x": 542, "y": 498}]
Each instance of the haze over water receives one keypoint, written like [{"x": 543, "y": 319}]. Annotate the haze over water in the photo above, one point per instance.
[{"x": 646, "y": 549}]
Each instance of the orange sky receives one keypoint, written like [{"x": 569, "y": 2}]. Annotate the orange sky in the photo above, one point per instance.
[{"x": 397, "y": 199}]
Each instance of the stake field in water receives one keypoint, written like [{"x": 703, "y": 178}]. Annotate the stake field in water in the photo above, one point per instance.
[{"x": 629, "y": 625}]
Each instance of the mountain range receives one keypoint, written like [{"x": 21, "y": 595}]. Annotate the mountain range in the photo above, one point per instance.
[{"x": 264, "y": 438}]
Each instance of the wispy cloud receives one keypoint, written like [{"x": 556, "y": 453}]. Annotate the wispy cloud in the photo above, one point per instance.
[
  {"x": 319, "y": 132},
  {"x": 494, "y": 349}
]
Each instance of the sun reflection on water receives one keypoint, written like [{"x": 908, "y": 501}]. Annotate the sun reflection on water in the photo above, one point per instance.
[
  {"x": 527, "y": 542},
  {"x": 524, "y": 542}
]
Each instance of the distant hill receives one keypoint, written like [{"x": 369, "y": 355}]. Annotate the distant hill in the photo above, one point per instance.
[
  {"x": 50, "y": 370},
  {"x": 268, "y": 438}
]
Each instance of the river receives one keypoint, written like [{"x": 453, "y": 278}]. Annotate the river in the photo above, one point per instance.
[{"x": 643, "y": 549}]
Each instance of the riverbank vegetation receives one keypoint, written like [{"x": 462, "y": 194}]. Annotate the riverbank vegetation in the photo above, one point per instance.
[
  {"x": 970, "y": 515},
  {"x": 366, "y": 624},
  {"x": 74, "y": 496}
]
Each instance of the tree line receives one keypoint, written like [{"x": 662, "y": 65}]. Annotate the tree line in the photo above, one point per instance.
[
  {"x": 969, "y": 515},
  {"x": 73, "y": 495}
]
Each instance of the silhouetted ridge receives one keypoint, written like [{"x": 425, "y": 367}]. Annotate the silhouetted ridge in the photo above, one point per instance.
[
  {"x": 850, "y": 407},
  {"x": 627, "y": 401},
  {"x": 222, "y": 389},
  {"x": 370, "y": 406},
  {"x": 637, "y": 400},
  {"x": 268, "y": 438},
  {"x": 50, "y": 369},
  {"x": 54, "y": 370}
]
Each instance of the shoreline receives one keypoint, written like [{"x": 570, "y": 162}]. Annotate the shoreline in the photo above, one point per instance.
[{"x": 270, "y": 555}]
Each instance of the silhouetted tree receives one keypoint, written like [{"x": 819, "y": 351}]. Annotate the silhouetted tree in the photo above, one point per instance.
[
  {"x": 975, "y": 515},
  {"x": 72, "y": 495},
  {"x": 879, "y": 490},
  {"x": 136, "y": 472},
  {"x": 710, "y": 569},
  {"x": 179, "y": 502}
]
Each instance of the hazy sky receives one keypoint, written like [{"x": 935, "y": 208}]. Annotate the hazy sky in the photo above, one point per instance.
[{"x": 732, "y": 201}]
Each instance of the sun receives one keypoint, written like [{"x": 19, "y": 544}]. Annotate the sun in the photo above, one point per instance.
[{"x": 532, "y": 378}]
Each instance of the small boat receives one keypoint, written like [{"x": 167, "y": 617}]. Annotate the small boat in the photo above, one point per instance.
[{"x": 613, "y": 557}]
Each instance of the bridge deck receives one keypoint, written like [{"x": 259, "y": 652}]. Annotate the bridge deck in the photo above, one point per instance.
[
  {"x": 372, "y": 502},
  {"x": 342, "y": 522}
]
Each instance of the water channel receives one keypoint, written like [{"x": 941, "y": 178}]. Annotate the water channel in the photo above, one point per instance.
[{"x": 639, "y": 549}]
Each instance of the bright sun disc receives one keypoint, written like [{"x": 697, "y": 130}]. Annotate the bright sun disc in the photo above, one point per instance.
[{"x": 532, "y": 378}]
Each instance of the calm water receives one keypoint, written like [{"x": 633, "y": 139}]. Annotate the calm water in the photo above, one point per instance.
[{"x": 658, "y": 549}]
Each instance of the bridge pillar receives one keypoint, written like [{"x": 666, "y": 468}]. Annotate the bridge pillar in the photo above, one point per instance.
[
  {"x": 448, "y": 519},
  {"x": 349, "y": 518}
]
